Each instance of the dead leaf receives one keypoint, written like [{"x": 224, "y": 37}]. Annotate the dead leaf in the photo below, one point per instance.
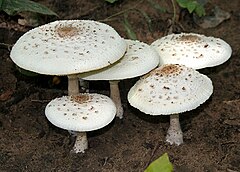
[{"x": 6, "y": 95}]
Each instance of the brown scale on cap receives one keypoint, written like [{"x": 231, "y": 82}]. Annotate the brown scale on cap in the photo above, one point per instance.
[
  {"x": 81, "y": 98},
  {"x": 189, "y": 38},
  {"x": 169, "y": 69},
  {"x": 67, "y": 31}
]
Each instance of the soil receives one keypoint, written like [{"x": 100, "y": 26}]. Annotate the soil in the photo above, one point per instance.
[{"x": 211, "y": 132}]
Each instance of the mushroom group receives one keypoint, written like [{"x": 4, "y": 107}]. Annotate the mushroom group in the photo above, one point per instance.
[
  {"x": 70, "y": 47},
  {"x": 91, "y": 50},
  {"x": 176, "y": 86}
]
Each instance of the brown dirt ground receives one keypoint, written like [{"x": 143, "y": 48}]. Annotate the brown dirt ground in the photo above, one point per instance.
[{"x": 211, "y": 132}]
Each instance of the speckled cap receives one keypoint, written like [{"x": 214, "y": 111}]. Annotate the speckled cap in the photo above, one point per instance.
[
  {"x": 68, "y": 47},
  {"x": 139, "y": 59},
  {"x": 170, "y": 89},
  {"x": 85, "y": 112},
  {"x": 192, "y": 50}
]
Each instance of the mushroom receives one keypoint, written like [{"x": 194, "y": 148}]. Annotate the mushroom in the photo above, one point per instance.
[
  {"x": 68, "y": 47},
  {"x": 169, "y": 90},
  {"x": 139, "y": 59},
  {"x": 81, "y": 113},
  {"x": 192, "y": 50}
]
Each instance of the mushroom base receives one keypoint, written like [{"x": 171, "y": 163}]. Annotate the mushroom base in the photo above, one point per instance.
[
  {"x": 174, "y": 133},
  {"x": 81, "y": 143}
]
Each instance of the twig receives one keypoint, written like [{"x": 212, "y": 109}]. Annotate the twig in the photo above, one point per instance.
[
  {"x": 6, "y": 46},
  {"x": 40, "y": 101},
  {"x": 152, "y": 154},
  {"x": 120, "y": 12},
  {"x": 105, "y": 161},
  {"x": 231, "y": 101},
  {"x": 229, "y": 170},
  {"x": 174, "y": 22}
]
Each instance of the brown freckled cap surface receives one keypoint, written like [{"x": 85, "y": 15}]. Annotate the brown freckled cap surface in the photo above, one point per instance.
[
  {"x": 170, "y": 89},
  {"x": 85, "y": 112},
  {"x": 192, "y": 50},
  {"x": 68, "y": 47},
  {"x": 139, "y": 59}
]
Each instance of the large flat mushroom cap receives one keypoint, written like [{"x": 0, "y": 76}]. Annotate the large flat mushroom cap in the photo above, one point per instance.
[
  {"x": 192, "y": 50},
  {"x": 85, "y": 112},
  {"x": 139, "y": 59},
  {"x": 68, "y": 47},
  {"x": 170, "y": 89}
]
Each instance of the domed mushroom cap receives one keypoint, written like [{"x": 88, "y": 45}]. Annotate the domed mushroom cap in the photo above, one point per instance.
[
  {"x": 85, "y": 112},
  {"x": 192, "y": 50},
  {"x": 139, "y": 59},
  {"x": 170, "y": 89},
  {"x": 67, "y": 47}
]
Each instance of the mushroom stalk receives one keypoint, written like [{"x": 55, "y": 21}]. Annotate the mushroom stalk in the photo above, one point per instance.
[
  {"x": 84, "y": 86},
  {"x": 174, "y": 133},
  {"x": 115, "y": 96},
  {"x": 73, "y": 85},
  {"x": 73, "y": 89},
  {"x": 81, "y": 143}
]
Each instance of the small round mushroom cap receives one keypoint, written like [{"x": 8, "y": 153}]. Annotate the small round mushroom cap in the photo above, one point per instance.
[
  {"x": 68, "y": 47},
  {"x": 192, "y": 50},
  {"x": 139, "y": 59},
  {"x": 85, "y": 112},
  {"x": 170, "y": 89}
]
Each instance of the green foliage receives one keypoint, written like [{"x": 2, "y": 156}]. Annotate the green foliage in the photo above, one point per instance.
[
  {"x": 162, "y": 164},
  {"x": 11, "y": 7},
  {"x": 192, "y": 6},
  {"x": 1, "y": 1},
  {"x": 131, "y": 34},
  {"x": 111, "y": 1},
  {"x": 156, "y": 6},
  {"x": 147, "y": 18}
]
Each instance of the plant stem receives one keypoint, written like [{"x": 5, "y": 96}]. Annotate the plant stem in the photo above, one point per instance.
[
  {"x": 120, "y": 12},
  {"x": 174, "y": 12}
]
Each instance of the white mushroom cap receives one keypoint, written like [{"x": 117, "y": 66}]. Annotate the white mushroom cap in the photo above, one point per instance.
[
  {"x": 170, "y": 89},
  {"x": 85, "y": 112},
  {"x": 67, "y": 47},
  {"x": 192, "y": 50},
  {"x": 139, "y": 59}
]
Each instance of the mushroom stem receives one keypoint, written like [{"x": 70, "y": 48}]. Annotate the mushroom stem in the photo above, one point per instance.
[
  {"x": 73, "y": 85},
  {"x": 84, "y": 85},
  {"x": 174, "y": 133},
  {"x": 81, "y": 143},
  {"x": 115, "y": 96}
]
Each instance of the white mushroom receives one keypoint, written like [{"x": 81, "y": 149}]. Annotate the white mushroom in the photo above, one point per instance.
[
  {"x": 170, "y": 90},
  {"x": 139, "y": 59},
  {"x": 68, "y": 47},
  {"x": 192, "y": 50},
  {"x": 81, "y": 113}
]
